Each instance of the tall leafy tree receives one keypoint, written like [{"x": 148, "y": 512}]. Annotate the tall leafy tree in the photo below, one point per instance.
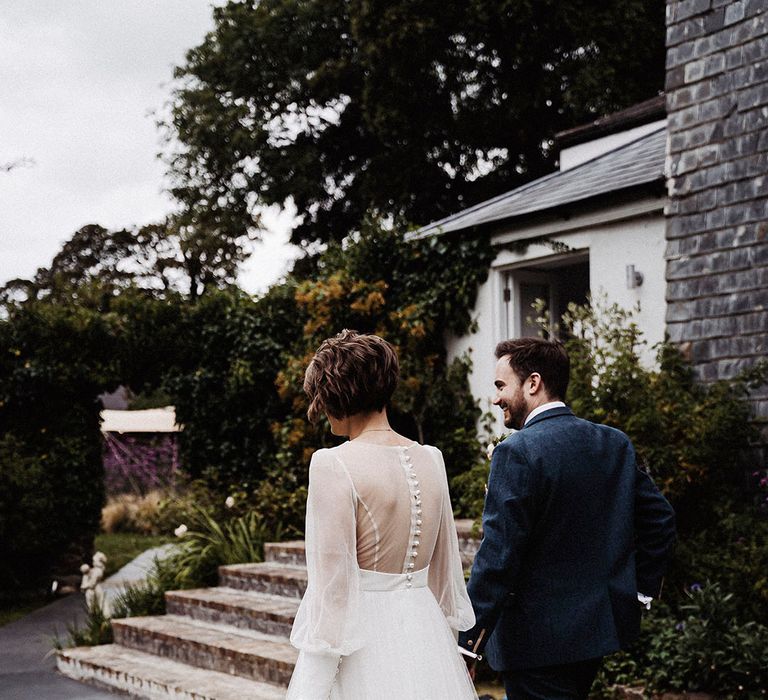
[
  {"x": 88, "y": 266},
  {"x": 410, "y": 109},
  {"x": 96, "y": 264}
]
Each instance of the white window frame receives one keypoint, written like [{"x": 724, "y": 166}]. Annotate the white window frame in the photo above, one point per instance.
[{"x": 509, "y": 278}]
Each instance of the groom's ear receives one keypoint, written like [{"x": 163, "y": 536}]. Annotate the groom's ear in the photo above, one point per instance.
[{"x": 534, "y": 384}]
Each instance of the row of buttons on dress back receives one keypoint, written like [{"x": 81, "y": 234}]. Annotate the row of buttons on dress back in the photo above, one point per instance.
[{"x": 415, "y": 533}]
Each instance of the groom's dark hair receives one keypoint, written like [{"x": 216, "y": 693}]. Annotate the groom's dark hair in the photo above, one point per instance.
[{"x": 547, "y": 357}]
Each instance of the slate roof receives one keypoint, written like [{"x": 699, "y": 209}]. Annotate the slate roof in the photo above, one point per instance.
[
  {"x": 636, "y": 163},
  {"x": 636, "y": 115}
]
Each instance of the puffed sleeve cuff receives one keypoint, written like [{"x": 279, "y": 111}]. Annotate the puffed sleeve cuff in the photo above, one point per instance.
[
  {"x": 463, "y": 616},
  {"x": 314, "y": 676},
  {"x": 345, "y": 638}
]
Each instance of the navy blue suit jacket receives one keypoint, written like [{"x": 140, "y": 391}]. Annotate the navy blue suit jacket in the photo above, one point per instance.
[{"x": 572, "y": 531}]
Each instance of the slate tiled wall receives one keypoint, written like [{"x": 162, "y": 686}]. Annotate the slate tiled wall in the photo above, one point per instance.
[{"x": 717, "y": 227}]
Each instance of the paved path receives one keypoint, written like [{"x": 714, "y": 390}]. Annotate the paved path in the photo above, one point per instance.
[
  {"x": 27, "y": 662},
  {"x": 134, "y": 572}
]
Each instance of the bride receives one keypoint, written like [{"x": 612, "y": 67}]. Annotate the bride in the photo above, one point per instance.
[{"x": 385, "y": 595}]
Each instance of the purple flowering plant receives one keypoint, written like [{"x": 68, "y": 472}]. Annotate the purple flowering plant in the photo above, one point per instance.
[
  {"x": 139, "y": 464},
  {"x": 760, "y": 479}
]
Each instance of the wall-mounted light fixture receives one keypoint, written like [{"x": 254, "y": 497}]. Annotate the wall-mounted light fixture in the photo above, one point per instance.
[{"x": 634, "y": 277}]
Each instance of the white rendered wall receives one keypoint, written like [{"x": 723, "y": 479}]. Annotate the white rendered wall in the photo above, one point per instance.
[
  {"x": 480, "y": 345},
  {"x": 612, "y": 245}
]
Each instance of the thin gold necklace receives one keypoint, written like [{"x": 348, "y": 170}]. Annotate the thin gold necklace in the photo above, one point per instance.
[{"x": 376, "y": 430}]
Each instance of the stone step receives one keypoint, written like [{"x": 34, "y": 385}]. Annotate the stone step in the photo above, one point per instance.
[
  {"x": 290, "y": 553},
  {"x": 141, "y": 675},
  {"x": 258, "y": 612},
  {"x": 469, "y": 540},
  {"x": 236, "y": 652},
  {"x": 465, "y": 529},
  {"x": 293, "y": 554},
  {"x": 273, "y": 579}
]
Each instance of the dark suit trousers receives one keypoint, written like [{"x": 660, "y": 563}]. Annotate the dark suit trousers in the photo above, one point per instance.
[{"x": 563, "y": 682}]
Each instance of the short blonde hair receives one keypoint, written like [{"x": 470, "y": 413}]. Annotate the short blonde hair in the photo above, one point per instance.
[{"x": 350, "y": 373}]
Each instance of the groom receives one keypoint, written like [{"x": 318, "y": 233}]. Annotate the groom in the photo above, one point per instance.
[{"x": 575, "y": 537}]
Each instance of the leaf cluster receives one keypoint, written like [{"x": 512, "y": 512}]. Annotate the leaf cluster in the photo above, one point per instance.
[
  {"x": 159, "y": 260},
  {"x": 413, "y": 293},
  {"x": 707, "y": 647},
  {"x": 211, "y": 542},
  {"x": 407, "y": 110},
  {"x": 224, "y": 383},
  {"x": 690, "y": 436},
  {"x": 53, "y": 363}
]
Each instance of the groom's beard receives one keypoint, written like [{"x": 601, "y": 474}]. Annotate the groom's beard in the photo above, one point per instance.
[{"x": 515, "y": 413}]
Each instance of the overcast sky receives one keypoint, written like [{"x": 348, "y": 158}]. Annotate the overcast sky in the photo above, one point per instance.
[{"x": 82, "y": 81}]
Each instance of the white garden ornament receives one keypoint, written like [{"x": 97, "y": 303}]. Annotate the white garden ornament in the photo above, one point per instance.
[{"x": 91, "y": 583}]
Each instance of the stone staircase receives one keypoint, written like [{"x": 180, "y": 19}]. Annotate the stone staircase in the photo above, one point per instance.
[{"x": 223, "y": 643}]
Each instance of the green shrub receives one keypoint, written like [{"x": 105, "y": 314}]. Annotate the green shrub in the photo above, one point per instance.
[
  {"x": 97, "y": 629},
  {"x": 468, "y": 490},
  {"x": 708, "y": 646},
  {"x": 208, "y": 544},
  {"x": 223, "y": 385},
  {"x": 148, "y": 597},
  {"x": 49, "y": 507},
  {"x": 53, "y": 364},
  {"x": 731, "y": 551},
  {"x": 412, "y": 293},
  {"x": 690, "y": 436},
  {"x": 711, "y": 648}
]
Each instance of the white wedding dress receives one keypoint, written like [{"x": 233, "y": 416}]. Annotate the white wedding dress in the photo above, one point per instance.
[{"x": 386, "y": 591}]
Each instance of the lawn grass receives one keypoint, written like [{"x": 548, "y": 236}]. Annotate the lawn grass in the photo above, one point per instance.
[{"x": 122, "y": 547}]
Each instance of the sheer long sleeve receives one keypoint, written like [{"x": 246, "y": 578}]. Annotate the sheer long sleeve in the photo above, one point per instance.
[
  {"x": 327, "y": 622},
  {"x": 446, "y": 575}
]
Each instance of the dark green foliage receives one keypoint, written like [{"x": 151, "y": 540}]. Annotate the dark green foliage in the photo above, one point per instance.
[
  {"x": 224, "y": 384},
  {"x": 693, "y": 439},
  {"x": 711, "y": 648},
  {"x": 212, "y": 542},
  {"x": 730, "y": 550},
  {"x": 96, "y": 630},
  {"x": 152, "y": 338},
  {"x": 148, "y": 597},
  {"x": 176, "y": 257},
  {"x": 53, "y": 364},
  {"x": 707, "y": 646},
  {"x": 412, "y": 293},
  {"x": 690, "y": 436},
  {"x": 85, "y": 271},
  {"x": 406, "y": 109},
  {"x": 468, "y": 491},
  {"x": 709, "y": 632}
]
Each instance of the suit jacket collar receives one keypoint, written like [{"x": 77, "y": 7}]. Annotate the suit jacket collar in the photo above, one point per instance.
[{"x": 551, "y": 413}]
